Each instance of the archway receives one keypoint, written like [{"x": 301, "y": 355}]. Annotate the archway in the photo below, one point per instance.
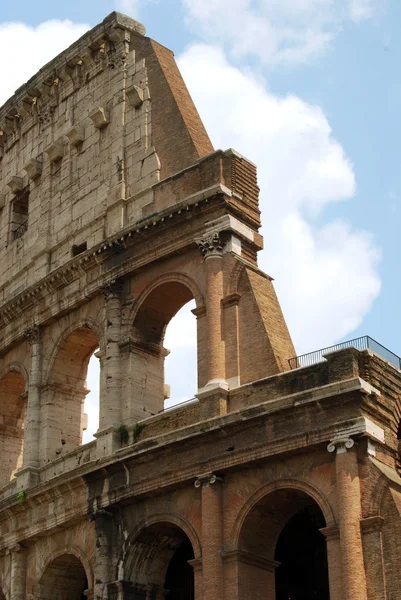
[
  {"x": 158, "y": 561},
  {"x": 288, "y": 553},
  {"x": 156, "y": 310},
  {"x": 64, "y": 578},
  {"x": 12, "y": 414},
  {"x": 66, "y": 390},
  {"x": 180, "y": 340}
]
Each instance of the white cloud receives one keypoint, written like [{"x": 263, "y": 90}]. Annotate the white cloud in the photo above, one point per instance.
[
  {"x": 360, "y": 10},
  {"x": 274, "y": 31},
  {"x": 326, "y": 274},
  {"x": 26, "y": 49},
  {"x": 129, "y": 7}
]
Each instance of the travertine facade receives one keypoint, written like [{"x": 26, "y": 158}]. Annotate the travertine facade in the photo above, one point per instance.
[{"x": 115, "y": 212}]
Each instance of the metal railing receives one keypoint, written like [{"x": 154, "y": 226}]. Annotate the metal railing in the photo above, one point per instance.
[{"x": 361, "y": 343}]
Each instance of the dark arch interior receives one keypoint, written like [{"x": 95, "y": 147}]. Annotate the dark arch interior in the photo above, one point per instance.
[
  {"x": 160, "y": 556},
  {"x": 283, "y": 527},
  {"x": 301, "y": 552},
  {"x": 180, "y": 576},
  {"x": 64, "y": 579}
]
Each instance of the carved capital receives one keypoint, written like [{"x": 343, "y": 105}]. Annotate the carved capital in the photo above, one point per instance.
[
  {"x": 33, "y": 334},
  {"x": 207, "y": 479},
  {"x": 211, "y": 246},
  {"x": 112, "y": 289},
  {"x": 14, "y": 549},
  {"x": 340, "y": 444}
]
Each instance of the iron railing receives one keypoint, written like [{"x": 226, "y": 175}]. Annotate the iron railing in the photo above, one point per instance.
[{"x": 361, "y": 343}]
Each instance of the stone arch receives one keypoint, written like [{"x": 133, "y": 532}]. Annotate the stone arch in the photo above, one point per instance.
[
  {"x": 66, "y": 574},
  {"x": 17, "y": 366},
  {"x": 234, "y": 278},
  {"x": 152, "y": 550},
  {"x": 78, "y": 553},
  {"x": 294, "y": 484},
  {"x": 13, "y": 386},
  {"x": 155, "y": 307},
  {"x": 86, "y": 323},
  {"x": 175, "y": 277},
  {"x": 64, "y": 390},
  {"x": 280, "y": 548},
  {"x": 377, "y": 494},
  {"x": 172, "y": 518}
]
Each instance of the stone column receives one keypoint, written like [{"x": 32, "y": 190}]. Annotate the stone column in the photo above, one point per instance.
[
  {"x": 212, "y": 535},
  {"x": 18, "y": 572},
  {"x": 110, "y": 400},
  {"x": 103, "y": 567},
  {"x": 32, "y": 417},
  {"x": 212, "y": 251},
  {"x": 349, "y": 512}
]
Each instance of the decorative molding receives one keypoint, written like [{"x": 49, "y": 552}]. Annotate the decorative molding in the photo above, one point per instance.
[
  {"x": 199, "y": 312},
  {"x": 248, "y": 558},
  {"x": 207, "y": 479},
  {"x": 331, "y": 533},
  {"x": 33, "y": 335},
  {"x": 112, "y": 289},
  {"x": 370, "y": 524},
  {"x": 211, "y": 246},
  {"x": 231, "y": 300}
]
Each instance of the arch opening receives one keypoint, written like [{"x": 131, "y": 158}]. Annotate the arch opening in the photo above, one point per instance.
[
  {"x": 164, "y": 316},
  {"x": 180, "y": 368},
  {"x": 64, "y": 578},
  {"x": 158, "y": 561},
  {"x": 66, "y": 391},
  {"x": 12, "y": 416},
  {"x": 281, "y": 533}
]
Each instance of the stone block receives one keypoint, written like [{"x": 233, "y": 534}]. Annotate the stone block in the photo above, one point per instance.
[
  {"x": 55, "y": 151},
  {"x": 15, "y": 184},
  {"x": 135, "y": 96},
  {"x": 100, "y": 117},
  {"x": 76, "y": 135},
  {"x": 34, "y": 168}
]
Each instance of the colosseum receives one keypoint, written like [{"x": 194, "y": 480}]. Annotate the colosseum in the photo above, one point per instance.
[{"x": 280, "y": 480}]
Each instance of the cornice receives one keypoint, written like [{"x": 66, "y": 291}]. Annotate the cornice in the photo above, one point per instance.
[{"x": 73, "y": 270}]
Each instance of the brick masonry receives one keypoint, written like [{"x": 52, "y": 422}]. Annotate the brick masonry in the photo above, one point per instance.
[{"x": 115, "y": 212}]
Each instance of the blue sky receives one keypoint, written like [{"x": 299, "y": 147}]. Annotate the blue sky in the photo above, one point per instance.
[{"x": 308, "y": 89}]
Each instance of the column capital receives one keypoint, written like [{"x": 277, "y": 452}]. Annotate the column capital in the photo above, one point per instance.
[
  {"x": 34, "y": 334},
  {"x": 207, "y": 479},
  {"x": 112, "y": 289},
  {"x": 340, "y": 444},
  {"x": 211, "y": 246},
  {"x": 14, "y": 549}
]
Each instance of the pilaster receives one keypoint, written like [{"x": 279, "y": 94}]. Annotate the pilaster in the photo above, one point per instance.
[
  {"x": 212, "y": 535},
  {"x": 211, "y": 248},
  {"x": 349, "y": 510},
  {"x": 28, "y": 474}
]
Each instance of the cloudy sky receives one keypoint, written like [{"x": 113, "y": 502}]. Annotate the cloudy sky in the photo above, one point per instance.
[{"x": 309, "y": 90}]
